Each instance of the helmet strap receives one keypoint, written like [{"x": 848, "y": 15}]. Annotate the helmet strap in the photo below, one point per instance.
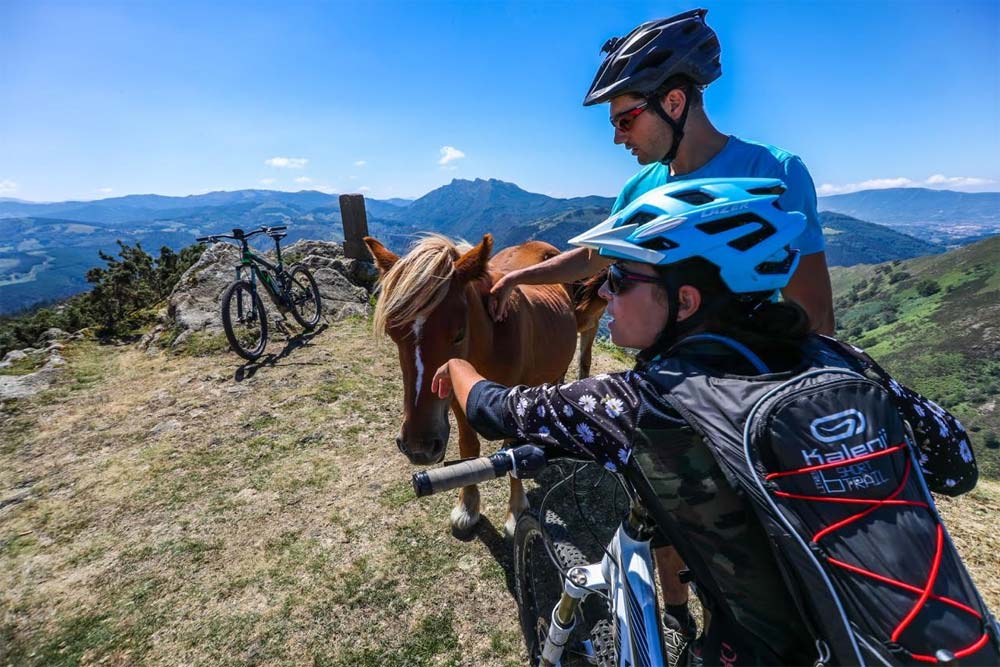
[
  {"x": 676, "y": 125},
  {"x": 673, "y": 331},
  {"x": 670, "y": 332}
]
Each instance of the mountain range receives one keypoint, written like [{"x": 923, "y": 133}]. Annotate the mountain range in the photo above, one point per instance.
[
  {"x": 47, "y": 247},
  {"x": 940, "y": 216}
]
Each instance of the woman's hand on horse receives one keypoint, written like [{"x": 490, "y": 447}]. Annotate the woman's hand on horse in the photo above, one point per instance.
[{"x": 441, "y": 382}]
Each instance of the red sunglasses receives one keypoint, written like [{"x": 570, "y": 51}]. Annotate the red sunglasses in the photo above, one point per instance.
[{"x": 624, "y": 119}]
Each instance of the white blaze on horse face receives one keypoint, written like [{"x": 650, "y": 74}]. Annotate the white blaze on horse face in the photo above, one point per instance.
[{"x": 418, "y": 324}]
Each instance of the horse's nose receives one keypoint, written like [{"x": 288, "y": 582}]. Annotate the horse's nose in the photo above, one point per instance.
[
  {"x": 402, "y": 448},
  {"x": 437, "y": 449}
]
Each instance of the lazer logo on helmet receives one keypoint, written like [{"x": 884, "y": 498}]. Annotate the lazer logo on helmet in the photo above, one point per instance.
[{"x": 724, "y": 211}]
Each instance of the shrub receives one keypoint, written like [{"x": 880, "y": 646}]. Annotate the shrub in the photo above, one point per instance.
[
  {"x": 124, "y": 292},
  {"x": 991, "y": 440},
  {"x": 928, "y": 287},
  {"x": 898, "y": 276}
]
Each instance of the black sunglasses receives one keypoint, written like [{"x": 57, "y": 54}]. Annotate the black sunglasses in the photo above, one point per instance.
[{"x": 619, "y": 278}]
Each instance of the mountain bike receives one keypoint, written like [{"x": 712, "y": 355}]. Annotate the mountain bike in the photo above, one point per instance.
[
  {"x": 572, "y": 611},
  {"x": 293, "y": 290}
]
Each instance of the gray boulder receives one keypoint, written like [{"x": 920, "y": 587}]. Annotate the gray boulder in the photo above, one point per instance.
[
  {"x": 53, "y": 334},
  {"x": 195, "y": 303}
]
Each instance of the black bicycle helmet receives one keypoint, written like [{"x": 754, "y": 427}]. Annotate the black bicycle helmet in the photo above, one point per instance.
[
  {"x": 643, "y": 60},
  {"x": 681, "y": 47}
]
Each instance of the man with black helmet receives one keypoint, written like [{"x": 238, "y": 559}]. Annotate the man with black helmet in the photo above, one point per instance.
[
  {"x": 662, "y": 67},
  {"x": 653, "y": 80}
]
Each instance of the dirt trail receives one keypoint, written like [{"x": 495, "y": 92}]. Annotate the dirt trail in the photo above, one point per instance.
[{"x": 177, "y": 510}]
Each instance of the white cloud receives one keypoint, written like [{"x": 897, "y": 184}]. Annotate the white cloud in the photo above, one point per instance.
[
  {"x": 957, "y": 181},
  {"x": 105, "y": 191},
  {"x": 450, "y": 153},
  {"x": 326, "y": 189},
  {"x": 936, "y": 181},
  {"x": 266, "y": 181},
  {"x": 303, "y": 180},
  {"x": 287, "y": 162},
  {"x": 360, "y": 163},
  {"x": 364, "y": 188},
  {"x": 7, "y": 187}
]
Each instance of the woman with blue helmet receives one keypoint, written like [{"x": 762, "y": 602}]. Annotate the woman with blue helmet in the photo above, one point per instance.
[{"x": 696, "y": 265}]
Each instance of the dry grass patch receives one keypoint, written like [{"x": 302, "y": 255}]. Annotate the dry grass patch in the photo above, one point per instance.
[{"x": 171, "y": 509}]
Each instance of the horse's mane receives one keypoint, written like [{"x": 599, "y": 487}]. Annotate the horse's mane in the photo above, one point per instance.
[
  {"x": 585, "y": 291},
  {"x": 417, "y": 282}
]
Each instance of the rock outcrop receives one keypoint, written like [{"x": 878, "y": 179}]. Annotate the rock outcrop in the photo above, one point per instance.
[
  {"x": 22, "y": 386},
  {"x": 195, "y": 304}
]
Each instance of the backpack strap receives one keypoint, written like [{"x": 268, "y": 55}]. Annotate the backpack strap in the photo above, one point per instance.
[{"x": 733, "y": 344}]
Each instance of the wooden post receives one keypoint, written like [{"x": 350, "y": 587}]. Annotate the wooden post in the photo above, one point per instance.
[{"x": 352, "y": 214}]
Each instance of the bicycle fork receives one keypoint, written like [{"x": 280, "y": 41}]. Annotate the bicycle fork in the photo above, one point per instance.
[
  {"x": 626, "y": 575},
  {"x": 580, "y": 582}
]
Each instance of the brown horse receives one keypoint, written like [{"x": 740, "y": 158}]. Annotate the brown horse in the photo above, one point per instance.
[{"x": 433, "y": 305}]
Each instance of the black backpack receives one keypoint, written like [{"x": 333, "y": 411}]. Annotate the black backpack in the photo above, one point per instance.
[{"x": 829, "y": 466}]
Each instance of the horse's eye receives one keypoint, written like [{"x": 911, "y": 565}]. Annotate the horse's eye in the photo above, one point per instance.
[{"x": 459, "y": 337}]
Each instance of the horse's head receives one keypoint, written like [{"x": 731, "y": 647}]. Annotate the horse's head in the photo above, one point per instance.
[{"x": 424, "y": 308}]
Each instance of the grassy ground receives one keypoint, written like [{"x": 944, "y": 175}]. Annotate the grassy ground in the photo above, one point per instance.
[{"x": 183, "y": 510}]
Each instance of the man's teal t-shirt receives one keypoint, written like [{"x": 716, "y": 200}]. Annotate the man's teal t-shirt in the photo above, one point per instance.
[{"x": 744, "y": 159}]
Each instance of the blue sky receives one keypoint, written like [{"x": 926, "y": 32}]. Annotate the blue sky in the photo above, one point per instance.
[{"x": 101, "y": 99}]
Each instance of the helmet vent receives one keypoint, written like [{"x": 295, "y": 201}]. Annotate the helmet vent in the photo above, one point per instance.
[
  {"x": 659, "y": 243},
  {"x": 641, "y": 218},
  {"x": 639, "y": 44},
  {"x": 778, "y": 268},
  {"x": 752, "y": 239},
  {"x": 656, "y": 57},
  {"x": 710, "y": 45},
  {"x": 725, "y": 224},
  {"x": 773, "y": 190},
  {"x": 694, "y": 197}
]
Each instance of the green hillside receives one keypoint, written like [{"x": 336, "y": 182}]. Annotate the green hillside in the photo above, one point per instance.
[
  {"x": 934, "y": 322},
  {"x": 850, "y": 241}
]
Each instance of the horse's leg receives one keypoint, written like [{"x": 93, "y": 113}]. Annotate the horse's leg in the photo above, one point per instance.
[
  {"x": 587, "y": 350},
  {"x": 465, "y": 514},
  {"x": 517, "y": 504}
]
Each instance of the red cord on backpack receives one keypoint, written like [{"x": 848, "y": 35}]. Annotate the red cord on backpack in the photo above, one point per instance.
[{"x": 923, "y": 593}]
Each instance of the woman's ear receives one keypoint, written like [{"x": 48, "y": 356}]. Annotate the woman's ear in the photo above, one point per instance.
[{"x": 688, "y": 301}]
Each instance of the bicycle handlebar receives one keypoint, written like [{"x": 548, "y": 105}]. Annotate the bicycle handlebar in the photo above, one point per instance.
[
  {"x": 239, "y": 234},
  {"x": 523, "y": 462}
]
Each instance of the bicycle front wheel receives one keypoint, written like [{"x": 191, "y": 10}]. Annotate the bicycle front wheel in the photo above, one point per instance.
[
  {"x": 305, "y": 297},
  {"x": 244, "y": 320},
  {"x": 540, "y": 585}
]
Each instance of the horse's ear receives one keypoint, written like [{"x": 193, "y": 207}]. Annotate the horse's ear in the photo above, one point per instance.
[
  {"x": 384, "y": 258},
  {"x": 473, "y": 264}
]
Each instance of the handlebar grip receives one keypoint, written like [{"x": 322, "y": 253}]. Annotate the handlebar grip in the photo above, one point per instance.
[
  {"x": 203, "y": 238},
  {"x": 465, "y": 473}
]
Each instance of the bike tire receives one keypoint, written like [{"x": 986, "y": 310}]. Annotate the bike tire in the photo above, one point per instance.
[
  {"x": 539, "y": 586},
  {"x": 247, "y": 332},
  {"x": 305, "y": 299}
]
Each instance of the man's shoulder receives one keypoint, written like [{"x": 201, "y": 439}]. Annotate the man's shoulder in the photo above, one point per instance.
[
  {"x": 649, "y": 177},
  {"x": 756, "y": 153}
]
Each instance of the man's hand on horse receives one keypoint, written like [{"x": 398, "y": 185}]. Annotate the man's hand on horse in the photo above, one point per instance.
[
  {"x": 500, "y": 298},
  {"x": 441, "y": 382}
]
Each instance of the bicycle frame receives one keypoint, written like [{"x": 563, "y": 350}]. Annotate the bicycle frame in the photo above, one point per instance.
[
  {"x": 625, "y": 575},
  {"x": 252, "y": 262}
]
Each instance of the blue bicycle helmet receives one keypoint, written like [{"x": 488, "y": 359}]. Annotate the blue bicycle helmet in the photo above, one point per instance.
[{"x": 733, "y": 223}]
